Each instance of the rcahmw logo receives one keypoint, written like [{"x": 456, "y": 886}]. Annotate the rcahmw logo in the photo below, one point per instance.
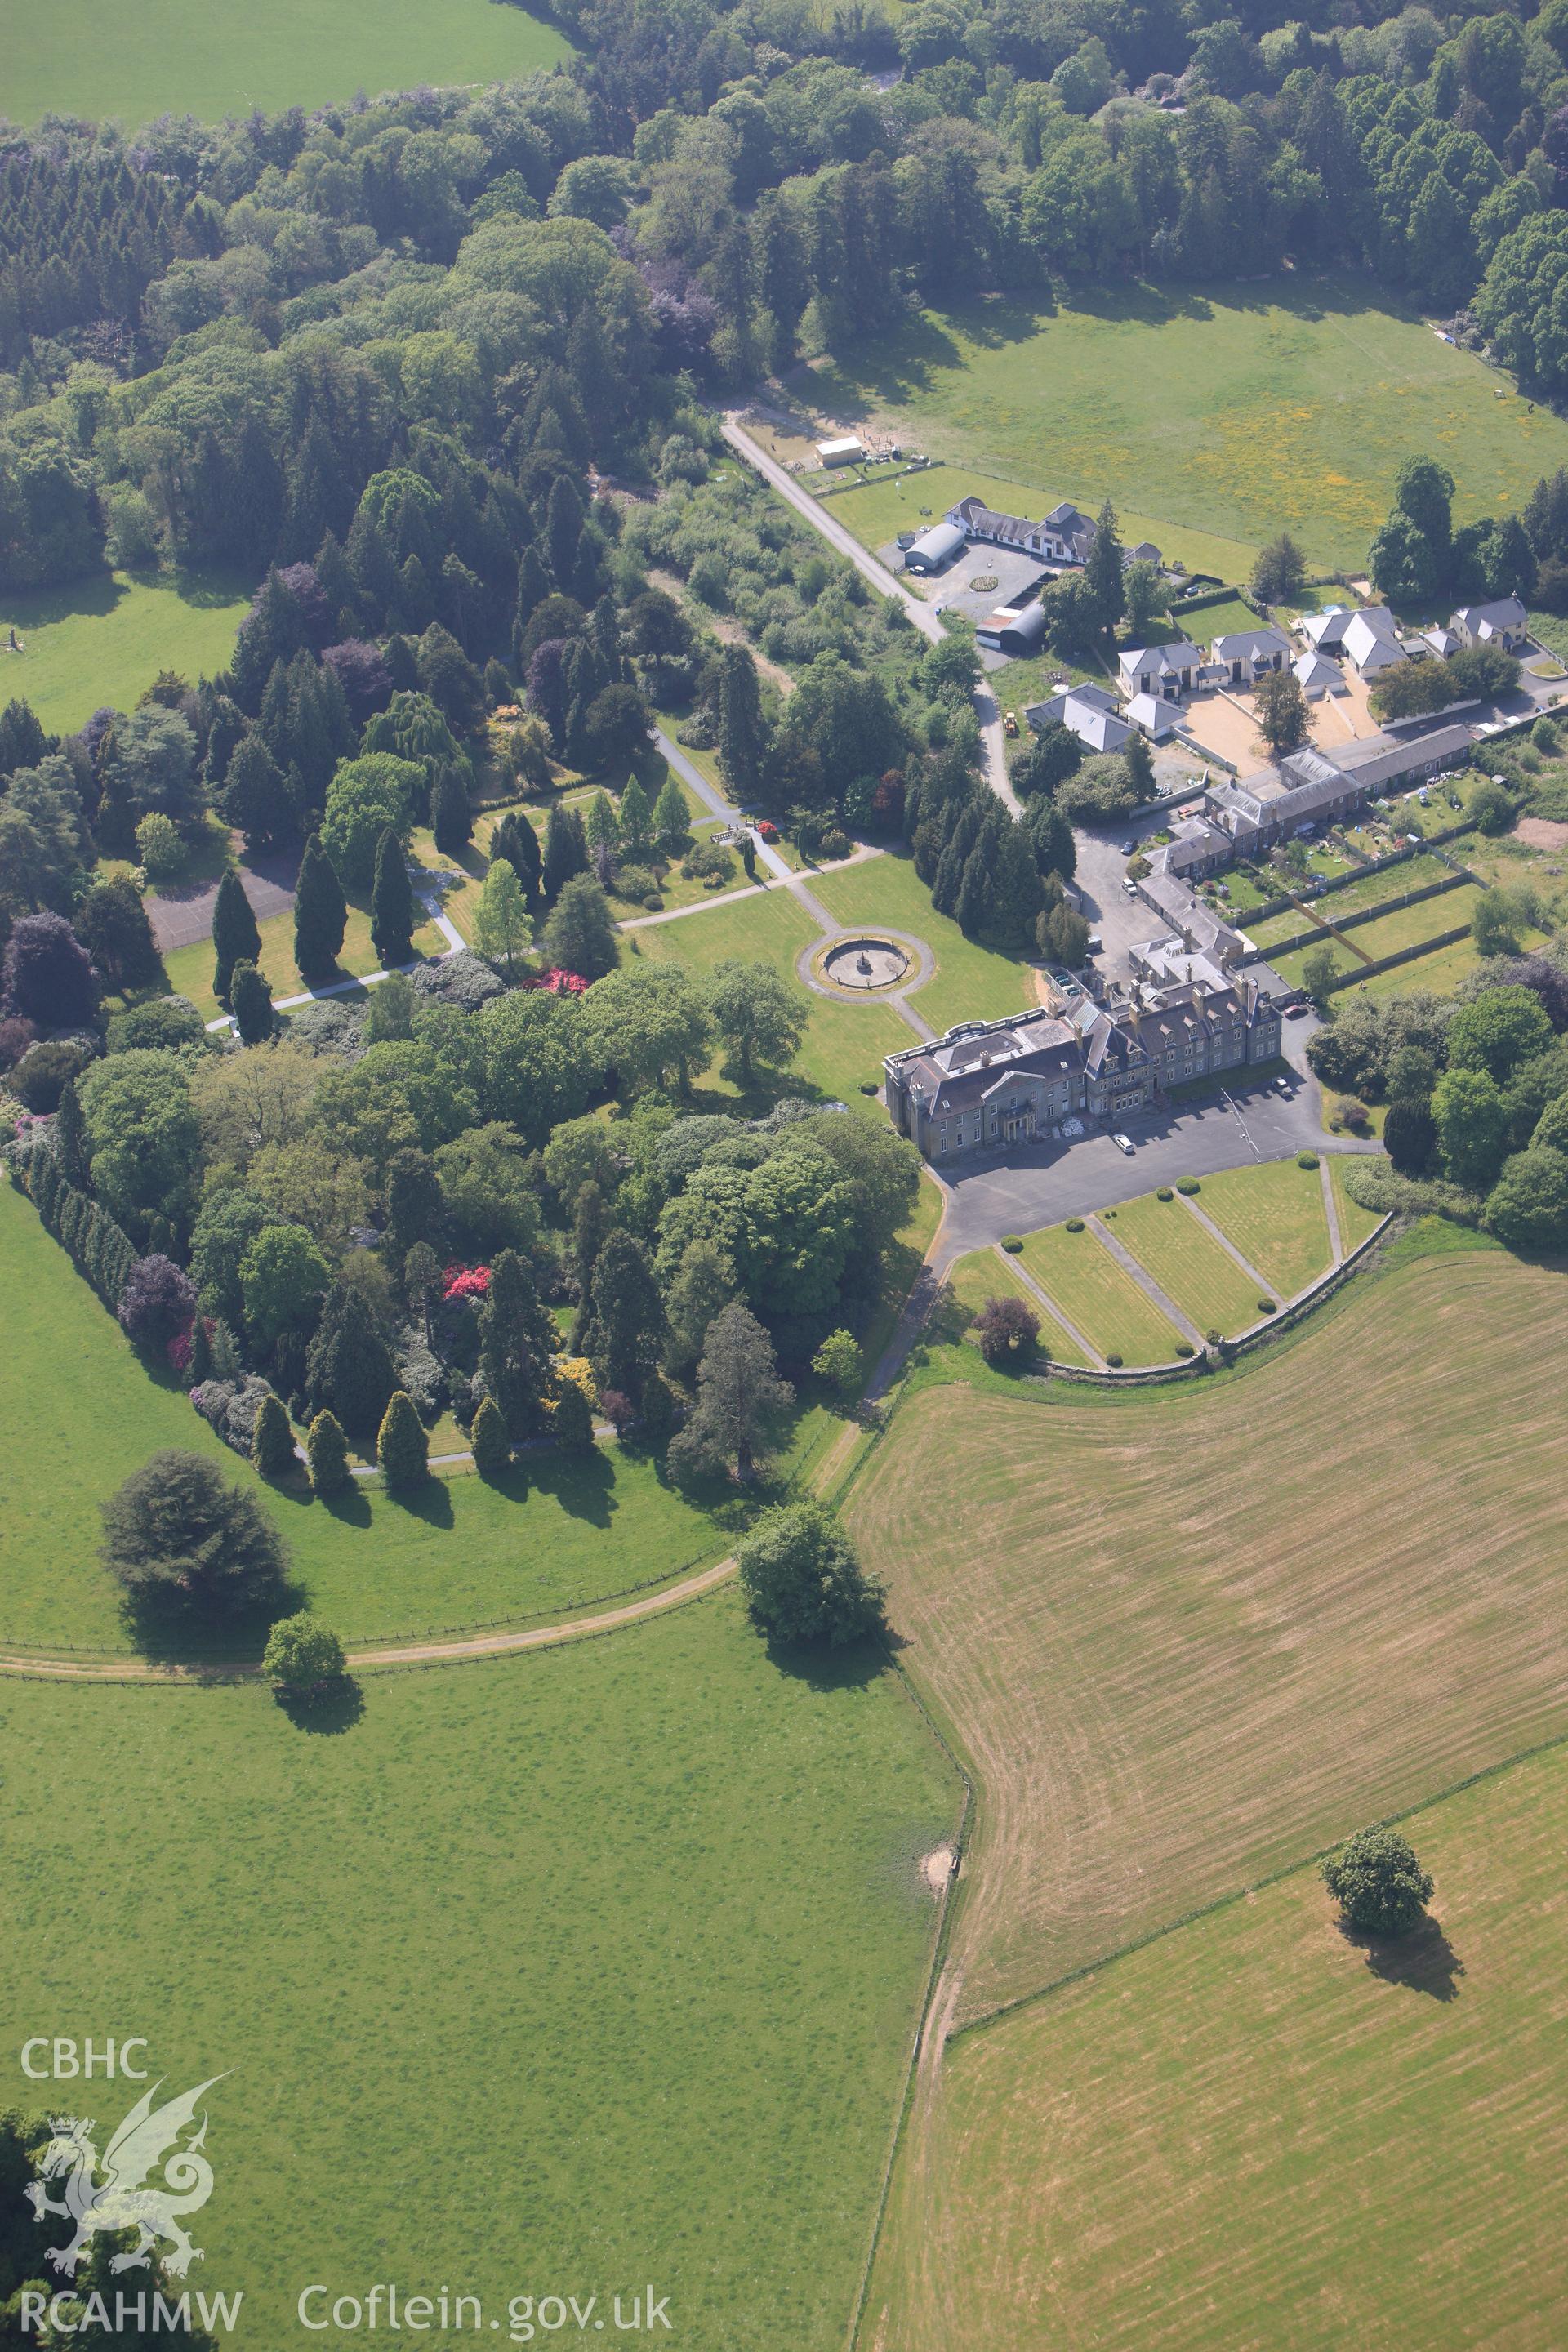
[{"x": 150, "y": 2178}]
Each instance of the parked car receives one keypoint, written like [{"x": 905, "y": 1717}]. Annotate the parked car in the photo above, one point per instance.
[
  {"x": 1129, "y": 885},
  {"x": 1129, "y": 849},
  {"x": 1283, "y": 1087},
  {"x": 1294, "y": 1012},
  {"x": 1095, "y": 944},
  {"x": 1123, "y": 1143}
]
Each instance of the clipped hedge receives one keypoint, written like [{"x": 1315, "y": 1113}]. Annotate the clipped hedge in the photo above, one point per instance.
[
  {"x": 1266, "y": 1306},
  {"x": 1074, "y": 1224},
  {"x": 1165, "y": 1194},
  {"x": 1189, "y": 1185},
  {"x": 1012, "y": 1244},
  {"x": 1307, "y": 1160}
]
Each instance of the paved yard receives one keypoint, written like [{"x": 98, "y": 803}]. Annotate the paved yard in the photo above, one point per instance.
[{"x": 1018, "y": 1192}]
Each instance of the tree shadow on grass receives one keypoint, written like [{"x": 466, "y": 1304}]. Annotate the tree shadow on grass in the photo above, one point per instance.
[
  {"x": 351, "y": 1507},
  {"x": 856, "y": 1666},
  {"x": 583, "y": 1483},
  {"x": 183, "y": 1634},
  {"x": 327, "y": 1713},
  {"x": 1424, "y": 1960},
  {"x": 431, "y": 1501}
]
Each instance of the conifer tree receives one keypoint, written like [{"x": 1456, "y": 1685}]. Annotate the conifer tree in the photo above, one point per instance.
[
  {"x": 742, "y": 731},
  {"x": 451, "y": 819},
  {"x": 402, "y": 1448},
  {"x": 515, "y": 840},
  {"x": 566, "y": 849},
  {"x": 1102, "y": 573},
  {"x": 327, "y": 1455},
  {"x": 349, "y": 1368},
  {"x": 492, "y": 1445},
  {"x": 517, "y": 1340},
  {"x": 635, "y": 822},
  {"x": 393, "y": 914},
  {"x": 251, "y": 1000},
  {"x": 70, "y": 1137},
  {"x": 236, "y": 939},
  {"x": 625, "y": 1331},
  {"x": 272, "y": 1440},
  {"x": 321, "y": 913},
  {"x": 255, "y": 793},
  {"x": 671, "y": 819},
  {"x": 571, "y": 1418}
]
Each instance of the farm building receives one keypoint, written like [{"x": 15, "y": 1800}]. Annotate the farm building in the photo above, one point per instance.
[
  {"x": 1064, "y": 536},
  {"x": 934, "y": 549},
  {"x": 845, "y": 451},
  {"x": 1014, "y": 629}
]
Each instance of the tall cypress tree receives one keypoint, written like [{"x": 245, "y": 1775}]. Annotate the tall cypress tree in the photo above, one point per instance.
[
  {"x": 742, "y": 733},
  {"x": 393, "y": 914},
  {"x": 321, "y": 913},
  {"x": 236, "y": 939},
  {"x": 1103, "y": 574},
  {"x": 349, "y": 1370},
  {"x": 517, "y": 1340},
  {"x": 451, "y": 819},
  {"x": 69, "y": 1138},
  {"x": 515, "y": 840},
  {"x": 566, "y": 849},
  {"x": 625, "y": 1331}
]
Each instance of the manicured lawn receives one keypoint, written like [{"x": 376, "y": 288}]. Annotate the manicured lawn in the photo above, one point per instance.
[
  {"x": 1098, "y": 1296},
  {"x": 190, "y": 970},
  {"x": 105, "y": 640},
  {"x": 1189, "y": 1655},
  {"x": 571, "y": 1972},
  {"x": 1440, "y": 972},
  {"x": 1291, "y": 967},
  {"x": 213, "y": 57},
  {"x": 972, "y": 1280},
  {"x": 970, "y": 982},
  {"x": 845, "y": 1043},
  {"x": 1157, "y": 400},
  {"x": 1407, "y": 925},
  {"x": 1372, "y": 889},
  {"x": 80, "y": 1414},
  {"x": 1355, "y": 1222},
  {"x": 1196, "y": 1274},
  {"x": 1259, "y": 2131},
  {"x": 1275, "y": 927},
  {"x": 1273, "y": 1214},
  {"x": 1202, "y": 623}
]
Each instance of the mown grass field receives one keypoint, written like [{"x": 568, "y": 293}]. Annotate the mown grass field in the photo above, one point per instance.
[
  {"x": 1196, "y": 1635},
  {"x": 179, "y": 56},
  {"x": 981, "y": 1275},
  {"x": 1191, "y": 1267},
  {"x": 105, "y": 640},
  {"x": 1237, "y": 412},
  {"x": 1273, "y": 1214},
  {"x": 845, "y": 1043},
  {"x": 970, "y": 982},
  {"x": 1098, "y": 1296},
  {"x": 80, "y": 1413},
  {"x": 1257, "y": 2132},
  {"x": 558, "y": 1974}
]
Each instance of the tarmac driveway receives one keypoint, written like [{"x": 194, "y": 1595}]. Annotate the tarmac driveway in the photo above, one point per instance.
[{"x": 1038, "y": 1184}]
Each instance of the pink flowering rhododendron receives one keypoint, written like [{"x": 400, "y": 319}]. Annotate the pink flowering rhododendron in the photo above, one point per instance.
[
  {"x": 179, "y": 1349},
  {"x": 559, "y": 981},
  {"x": 465, "y": 1282}
]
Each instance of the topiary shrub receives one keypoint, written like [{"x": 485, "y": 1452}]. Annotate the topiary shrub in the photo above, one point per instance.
[
  {"x": 1307, "y": 1160},
  {"x": 1114, "y": 1362},
  {"x": 327, "y": 1455},
  {"x": 491, "y": 1445},
  {"x": 1012, "y": 1244},
  {"x": 402, "y": 1448},
  {"x": 1184, "y": 1348},
  {"x": 1213, "y": 1334},
  {"x": 869, "y": 1087},
  {"x": 1265, "y": 1307},
  {"x": 1189, "y": 1185},
  {"x": 1165, "y": 1194},
  {"x": 272, "y": 1440},
  {"x": 1074, "y": 1224}
]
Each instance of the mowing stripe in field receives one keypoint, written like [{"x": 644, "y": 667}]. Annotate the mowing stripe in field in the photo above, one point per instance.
[
  {"x": 1100, "y": 1297},
  {"x": 1196, "y": 1274},
  {"x": 983, "y": 1275},
  {"x": 1273, "y": 1214}
]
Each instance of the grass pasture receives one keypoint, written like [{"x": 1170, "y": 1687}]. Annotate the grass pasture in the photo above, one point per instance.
[
  {"x": 105, "y": 640},
  {"x": 192, "y": 57},
  {"x": 1237, "y": 412},
  {"x": 1180, "y": 1659},
  {"x": 603, "y": 1963},
  {"x": 1098, "y": 1296},
  {"x": 1191, "y": 1267},
  {"x": 1257, "y": 2132},
  {"x": 80, "y": 1414},
  {"x": 1274, "y": 1215}
]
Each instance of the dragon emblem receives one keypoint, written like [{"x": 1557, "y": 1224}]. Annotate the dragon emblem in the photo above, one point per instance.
[{"x": 147, "y": 2142}]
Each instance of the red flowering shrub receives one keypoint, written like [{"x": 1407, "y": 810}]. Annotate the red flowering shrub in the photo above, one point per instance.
[
  {"x": 179, "y": 1351},
  {"x": 465, "y": 1282},
  {"x": 765, "y": 829},
  {"x": 558, "y": 981}
]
